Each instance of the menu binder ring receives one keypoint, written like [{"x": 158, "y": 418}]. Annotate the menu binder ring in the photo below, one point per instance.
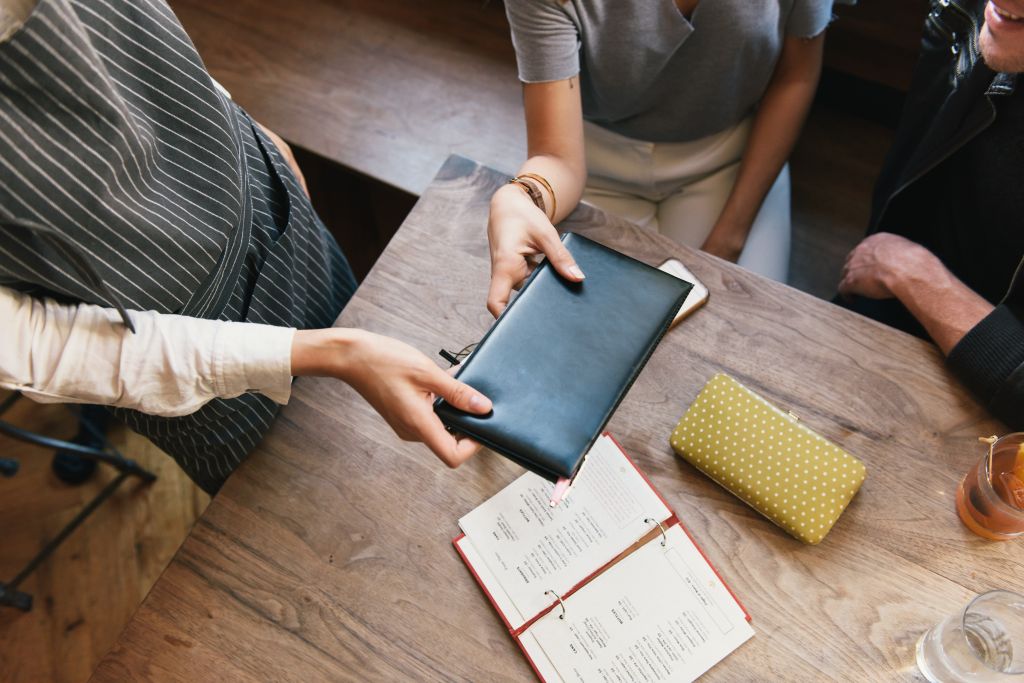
[
  {"x": 560, "y": 603},
  {"x": 664, "y": 536}
]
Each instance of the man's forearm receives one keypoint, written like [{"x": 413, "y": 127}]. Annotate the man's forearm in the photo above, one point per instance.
[{"x": 946, "y": 307}]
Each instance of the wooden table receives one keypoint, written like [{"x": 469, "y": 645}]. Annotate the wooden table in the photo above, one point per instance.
[{"x": 327, "y": 555}]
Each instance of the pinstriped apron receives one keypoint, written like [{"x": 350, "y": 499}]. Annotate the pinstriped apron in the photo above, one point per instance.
[{"x": 128, "y": 180}]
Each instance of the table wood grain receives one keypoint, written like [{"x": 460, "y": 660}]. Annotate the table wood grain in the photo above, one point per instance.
[{"x": 327, "y": 555}]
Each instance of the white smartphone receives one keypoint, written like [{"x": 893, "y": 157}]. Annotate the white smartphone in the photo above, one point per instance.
[{"x": 697, "y": 297}]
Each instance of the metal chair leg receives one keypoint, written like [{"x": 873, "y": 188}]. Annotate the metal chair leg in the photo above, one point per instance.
[{"x": 10, "y": 596}]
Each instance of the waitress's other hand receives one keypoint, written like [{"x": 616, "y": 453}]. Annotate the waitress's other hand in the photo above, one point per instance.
[
  {"x": 517, "y": 231},
  {"x": 286, "y": 152},
  {"x": 397, "y": 380}
]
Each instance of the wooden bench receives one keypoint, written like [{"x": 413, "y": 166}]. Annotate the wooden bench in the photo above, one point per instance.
[
  {"x": 386, "y": 89},
  {"x": 375, "y": 96},
  {"x": 876, "y": 41}
]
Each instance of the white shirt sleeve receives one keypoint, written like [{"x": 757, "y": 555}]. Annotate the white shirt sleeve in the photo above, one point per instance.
[{"x": 170, "y": 366}]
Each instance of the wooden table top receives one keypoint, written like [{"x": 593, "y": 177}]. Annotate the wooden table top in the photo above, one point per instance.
[
  {"x": 328, "y": 556},
  {"x": 387, "y": 89}
]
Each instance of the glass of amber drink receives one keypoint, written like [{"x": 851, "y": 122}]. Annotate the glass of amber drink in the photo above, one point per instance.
[{"x": 990, "y": 499}]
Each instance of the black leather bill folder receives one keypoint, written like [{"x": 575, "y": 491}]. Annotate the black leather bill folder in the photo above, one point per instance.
[{"x": 559, "y": 359}]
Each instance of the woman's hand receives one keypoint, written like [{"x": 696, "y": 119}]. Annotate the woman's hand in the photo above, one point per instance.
[
  {"x": 286, "y": 152},
  {"x": 517, "y": 231},
  {"x": 725, "y": 242},
  {"x": 397, "y": 380}
]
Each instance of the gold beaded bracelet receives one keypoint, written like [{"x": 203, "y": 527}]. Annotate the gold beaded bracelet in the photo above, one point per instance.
[
  {"x": 532, "y": 191},
  {"x": 525, "y": 181},
  {"x": 547, "y": 186}
]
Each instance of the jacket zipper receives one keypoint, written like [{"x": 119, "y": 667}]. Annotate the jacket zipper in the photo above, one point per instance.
[
  {"x": 972, "y": 44},
  {"x": 973, "y": 50},
  {"x": 933, "y": 19},
  {"x": 972, "y": 39}
]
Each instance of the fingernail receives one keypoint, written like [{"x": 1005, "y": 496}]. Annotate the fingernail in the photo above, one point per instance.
[
  {"x": 478, "y": 403},
  {"x": 576, "y": 272}
]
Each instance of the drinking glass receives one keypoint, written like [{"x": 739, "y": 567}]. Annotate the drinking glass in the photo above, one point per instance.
[
  {"x": 982, "y": 644},
  {"x": 990, "y": 499}
]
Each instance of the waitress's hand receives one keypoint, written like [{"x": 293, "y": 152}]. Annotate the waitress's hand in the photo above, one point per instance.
[
  {"x": 397, "y": 380},
  {"x": 517, "y": 231}
]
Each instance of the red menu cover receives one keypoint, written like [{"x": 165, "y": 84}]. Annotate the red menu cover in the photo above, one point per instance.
[{"x": 609, "y": 583}]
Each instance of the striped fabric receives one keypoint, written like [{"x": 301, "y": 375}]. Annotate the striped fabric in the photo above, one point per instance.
[{"x": 113, "y": 135}]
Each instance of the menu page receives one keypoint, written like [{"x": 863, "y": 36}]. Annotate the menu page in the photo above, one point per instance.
[
  {"x": 529, "y": 547},
  {"x": 661, "y": 614}
]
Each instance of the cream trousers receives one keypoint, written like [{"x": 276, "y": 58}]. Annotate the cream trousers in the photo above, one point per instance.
[{"x": 679, "y": 189}]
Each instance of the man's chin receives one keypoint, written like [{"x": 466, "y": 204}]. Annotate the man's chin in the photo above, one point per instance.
[{"x": 1001, "y": 55}]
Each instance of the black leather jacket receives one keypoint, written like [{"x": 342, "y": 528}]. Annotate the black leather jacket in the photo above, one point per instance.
[{"x": 953, "y": 182}]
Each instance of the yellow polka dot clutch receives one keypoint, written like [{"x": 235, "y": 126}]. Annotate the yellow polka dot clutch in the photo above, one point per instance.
[{"x": 791, "y": 475}]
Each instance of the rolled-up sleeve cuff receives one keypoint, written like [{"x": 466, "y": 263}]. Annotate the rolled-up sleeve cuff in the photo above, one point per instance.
[
  {"x": 809, "y": 18},
  {"x": 990, "y": 361},
  {"x": 545, "y": 38},
  {"x": 253, "y": 358}
]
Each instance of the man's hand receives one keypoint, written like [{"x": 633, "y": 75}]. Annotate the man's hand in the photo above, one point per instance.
[
  {"x": 882, "y": 263},
  {"x": 397, "y": 380},
  {"x": 286, "y": 152},
  {"x": 886, "y": 265},
  {"x": 516, "y": 231}
]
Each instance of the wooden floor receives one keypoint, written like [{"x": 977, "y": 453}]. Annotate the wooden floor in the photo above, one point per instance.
[
  {"x": 87, "y": 590},
  {"x": 833, "y": 171}
]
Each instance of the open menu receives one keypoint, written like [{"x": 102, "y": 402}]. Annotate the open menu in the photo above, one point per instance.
[{"x": 607, "y": 585}]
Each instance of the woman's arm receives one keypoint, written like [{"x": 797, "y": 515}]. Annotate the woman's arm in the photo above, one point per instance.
[
  {"x": 173, "y": 365},
  {"x": 776, "y": 127},
  {"x": 518, "y": 229},
  {"x": 397, "y": 380}
]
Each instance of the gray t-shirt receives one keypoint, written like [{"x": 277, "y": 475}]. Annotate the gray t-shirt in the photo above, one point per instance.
[{"x": 650, "y": 74}]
